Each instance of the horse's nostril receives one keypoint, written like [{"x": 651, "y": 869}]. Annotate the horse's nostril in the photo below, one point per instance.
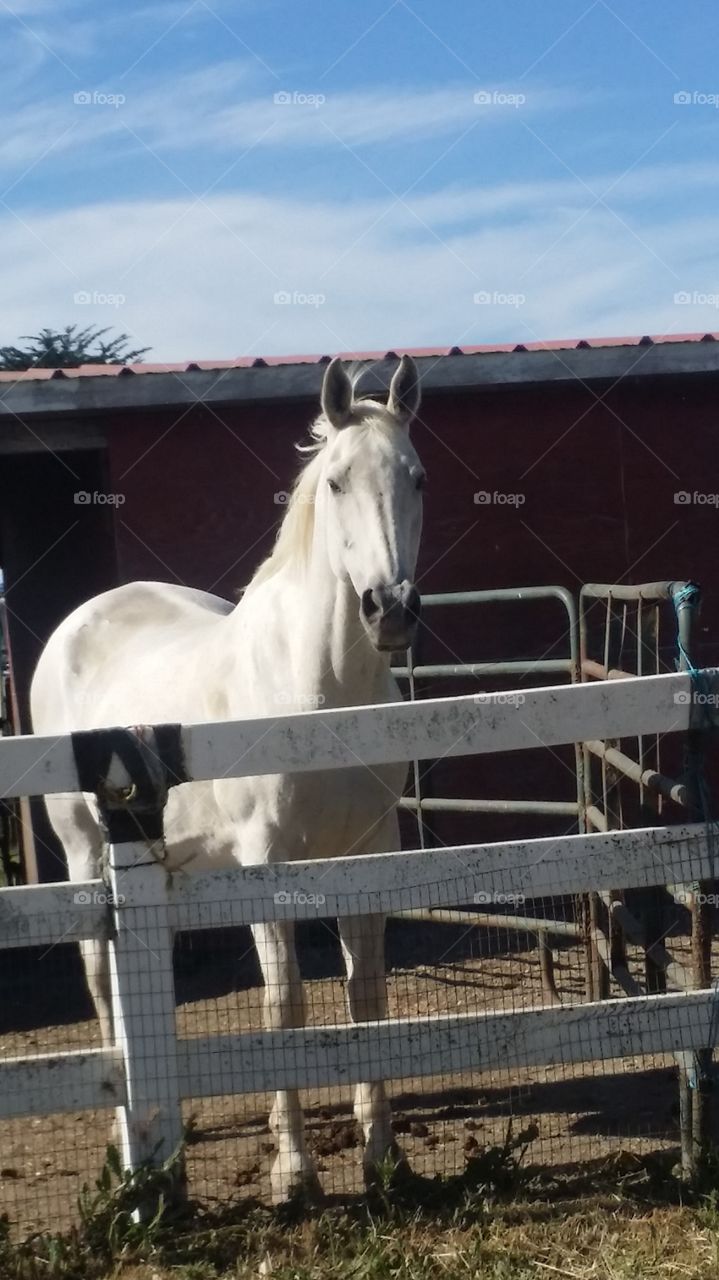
[{"x": 369, "y": 603}]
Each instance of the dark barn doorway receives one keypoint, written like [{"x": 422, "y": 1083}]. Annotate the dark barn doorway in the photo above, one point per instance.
[{"x": 56, "y": 550}]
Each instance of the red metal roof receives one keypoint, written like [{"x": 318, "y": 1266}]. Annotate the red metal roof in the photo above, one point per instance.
[{"x": 248, "y": 362}]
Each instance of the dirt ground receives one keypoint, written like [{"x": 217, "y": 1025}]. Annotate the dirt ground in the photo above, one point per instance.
[{"x": 581, "y": 1112}]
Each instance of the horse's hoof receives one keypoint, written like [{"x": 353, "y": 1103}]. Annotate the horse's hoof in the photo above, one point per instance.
[{"x": 300, "y": 1185}]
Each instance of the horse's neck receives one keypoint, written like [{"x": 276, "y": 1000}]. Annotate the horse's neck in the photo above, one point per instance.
[
  {"x": 344, "y": 658},
  {"x": 333, "y": 655}
]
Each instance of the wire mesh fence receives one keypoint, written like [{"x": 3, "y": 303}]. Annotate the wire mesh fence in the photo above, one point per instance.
[
  {"x": 510, "y": 1059},
  {"x": 473, "y": 1003}
]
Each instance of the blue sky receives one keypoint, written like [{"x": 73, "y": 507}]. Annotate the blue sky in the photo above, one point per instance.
[{"x": 222, "y": 179}]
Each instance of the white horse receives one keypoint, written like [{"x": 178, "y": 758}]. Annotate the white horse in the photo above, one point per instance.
[{"x": 315, "y": 628}]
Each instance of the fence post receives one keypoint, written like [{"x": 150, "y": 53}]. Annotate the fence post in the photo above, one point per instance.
[
  {"x": 130, "y": 772},
  {"x": 143, "y": 1006},
  {"x": 696, "y": 1069}
]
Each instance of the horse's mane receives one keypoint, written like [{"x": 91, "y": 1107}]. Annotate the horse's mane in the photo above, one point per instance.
[{"x": 294, "y": 539}]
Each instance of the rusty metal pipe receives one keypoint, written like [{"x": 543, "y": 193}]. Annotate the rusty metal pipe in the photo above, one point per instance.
[
  {"x": 600, "y": 672},
  {"x": 562, "y": 808},
  {"x": 514, "y": 924},
  {"x": 472, "y": 670},
  {"x": 649, "y": 778}
]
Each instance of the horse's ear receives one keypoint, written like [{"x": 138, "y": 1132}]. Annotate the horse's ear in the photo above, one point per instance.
[
  {"x": 404, "y": 393},
  {"x": 336, "y": 394}
]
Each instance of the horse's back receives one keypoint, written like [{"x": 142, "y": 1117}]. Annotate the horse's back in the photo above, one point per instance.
[
  {"x": 139, "y": 606},
  {"x": 122, "y": 632}
]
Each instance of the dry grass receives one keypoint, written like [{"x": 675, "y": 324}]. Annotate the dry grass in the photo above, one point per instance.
[
  {"x": 602, "y": 1242},
  {"x": 623, "y": 1219}
]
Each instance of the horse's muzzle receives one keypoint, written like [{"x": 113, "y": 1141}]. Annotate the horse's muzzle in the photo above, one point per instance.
[{"x": 390, "y": 614}]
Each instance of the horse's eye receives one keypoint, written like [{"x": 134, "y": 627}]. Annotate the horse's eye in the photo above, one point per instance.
[
  {"x": 420, "y": 482},
  {"x": 334, "y": 486}
]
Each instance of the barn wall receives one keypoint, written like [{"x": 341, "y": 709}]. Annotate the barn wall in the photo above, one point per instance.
[
  {"x": 597, "y": 479},
  {"x": 598, "y": 482}
]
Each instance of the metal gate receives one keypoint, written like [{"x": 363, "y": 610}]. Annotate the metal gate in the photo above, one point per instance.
[
  {"x": 560, "y": 669},
  {"x": 566, "y": 667},
  {"x": 617, "y": 632},
  {"x": 646, "y": 630}
]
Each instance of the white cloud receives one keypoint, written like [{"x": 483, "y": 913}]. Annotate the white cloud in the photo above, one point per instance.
[
  {"x": 360, "y": 118},
  {"x": 200, "y": 281},
  {"x": 212, "y": 109}
]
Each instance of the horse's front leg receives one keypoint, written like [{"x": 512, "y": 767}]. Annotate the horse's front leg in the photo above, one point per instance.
[
  {"x": 362, "y": 940},
  {"x": 96, "y": 960},
  {"x": 293, "y": 1171}
]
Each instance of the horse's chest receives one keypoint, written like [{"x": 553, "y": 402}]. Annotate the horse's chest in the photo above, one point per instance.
[
  {"x": 339, "y": 813},
  {"x": 308, "y": 815},
  {"x": 277, "y": 819}
]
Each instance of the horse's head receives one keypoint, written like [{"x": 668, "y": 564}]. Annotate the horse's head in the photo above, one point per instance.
[{"x": 373, "y": 482}]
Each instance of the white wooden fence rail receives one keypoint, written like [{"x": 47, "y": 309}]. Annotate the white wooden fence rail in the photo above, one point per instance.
[
  {"x": 476, "y": 725},
  {"x": 38, "y": 915},
  {"x": 149, "y": 1071},
  {"x": 399, "y": 1048}
]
